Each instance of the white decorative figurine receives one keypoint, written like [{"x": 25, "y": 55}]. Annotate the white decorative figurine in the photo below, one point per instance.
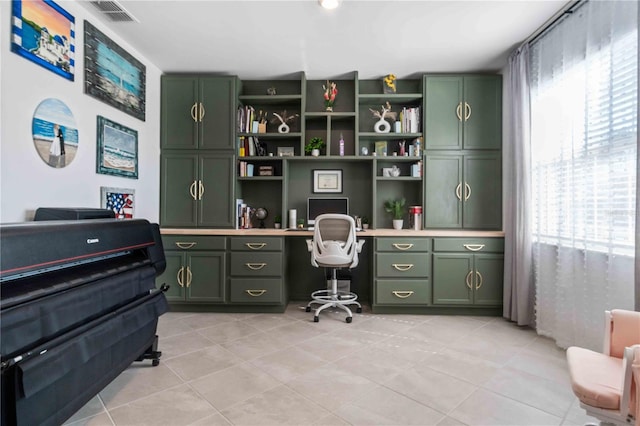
[{"x": 383, "y": 126}]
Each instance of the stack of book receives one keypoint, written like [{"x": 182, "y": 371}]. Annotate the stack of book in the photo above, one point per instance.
[
  {"x": 410, "y": 120},
  {"x": 245, "y": 169},
  {"x": 243, "y": 217}
]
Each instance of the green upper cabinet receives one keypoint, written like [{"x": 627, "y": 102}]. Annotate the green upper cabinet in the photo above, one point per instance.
[
  {"x": 198, "y": 112},
  {"x": 463, "y": 112}
]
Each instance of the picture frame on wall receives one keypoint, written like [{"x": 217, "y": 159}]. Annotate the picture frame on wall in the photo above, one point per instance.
[
  {"x": 117, "y": 149},
  {"x": 120, "y": 200},
  {"x": 44, "y": 33},
  {"x": 112, "y": 75},
  {"x": 327, "y": 181}
]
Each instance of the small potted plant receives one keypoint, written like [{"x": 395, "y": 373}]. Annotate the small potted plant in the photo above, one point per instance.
[
  {"x": 365, "y": 222},
  {"x": 314, "y": 146},
  {"x": 277, "y": 222},
  {"x": 397, "y": 210},
  {"x": 300, "y": 223}
]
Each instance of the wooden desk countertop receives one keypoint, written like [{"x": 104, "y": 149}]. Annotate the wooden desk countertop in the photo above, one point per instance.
[{"x": 381, "y": 232}]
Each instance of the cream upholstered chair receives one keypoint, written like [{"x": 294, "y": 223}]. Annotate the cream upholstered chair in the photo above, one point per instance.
[
  {"x": 608, "y": 383},
  {"x": 334, "y": 246}
]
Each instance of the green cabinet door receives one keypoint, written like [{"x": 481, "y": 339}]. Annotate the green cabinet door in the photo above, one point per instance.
[
  {"x": 452, "y": 279},
  {"x": 443, "y": 178},
  {"x": 178, "y": 181},
  {"x": 205, "y": 277},
  {"x": 443, "y": 109},
  {"x": 217, "y": 95},
  {"x": 179, "y": 106},
  {"x": 482, "y": 112},
  {"x": 489, "y": 279},
  {"x": 172, "y": 276},
  {"x": 482, "y": 207},
  {"x": 215, "y": 204}
]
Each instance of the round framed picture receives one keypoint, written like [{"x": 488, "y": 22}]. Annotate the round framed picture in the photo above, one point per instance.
[{"x": 55, "y": 134}]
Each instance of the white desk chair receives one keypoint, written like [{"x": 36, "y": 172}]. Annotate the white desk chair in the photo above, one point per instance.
[{"x": 334, "y": 246}]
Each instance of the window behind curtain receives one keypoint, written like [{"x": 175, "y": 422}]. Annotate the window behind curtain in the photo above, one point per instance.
[{"x": 584, "y": 152}]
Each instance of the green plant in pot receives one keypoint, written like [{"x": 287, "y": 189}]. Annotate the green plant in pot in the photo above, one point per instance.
[
  {"x": 277, "y": 222},
  {"x": 365, "y": 222},
  {"x": 314, "y": 146},
  {"x": 397, "y": 210}
]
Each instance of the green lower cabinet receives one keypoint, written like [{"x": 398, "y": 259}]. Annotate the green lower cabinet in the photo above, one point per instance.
[
  {"x": 403, "y": 292},
  {"x": 256, "y": 290},
  {"x": 194, "y": 277}
]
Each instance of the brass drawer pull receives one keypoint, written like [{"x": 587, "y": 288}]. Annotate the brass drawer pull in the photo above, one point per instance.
[
  {"x": 256, "y": 293},
  {"x": 459, "y": 191},
  {"x": 467, "y": 191},
  {"x": 459, "y": 111},
  {"x": 402, "y": 246},
  {"x": 473, "y": 247},
  {"x": 255, "y": 266},
  {"x": 402, "y": 266},
  {"x": 467, "y": 111},
  {"x": 189, "y": 276},
  {"x": 255, "y": 246},
  {"x": 192, "y": 190},
  {"x": 179, "y": 276},
  {"x": 402, "y": 294},
  {"x": 202, "y": 112},
  {"x": 193, "y": 112},
  {"x": 467, "y": 280},
  {"x": 185, "y": 246},
  {"x": 479, "y": 282},
  {"x": 200, "y": 190}
]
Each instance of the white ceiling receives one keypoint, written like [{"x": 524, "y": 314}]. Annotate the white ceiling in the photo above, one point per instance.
[{"x": 271, "y": 39}]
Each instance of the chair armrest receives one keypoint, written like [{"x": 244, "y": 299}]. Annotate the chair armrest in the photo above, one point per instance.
[
  {"x": 310, "y": 245},
  {"x": 359, "y": 245},
  {"x": 630, "y": 361}
]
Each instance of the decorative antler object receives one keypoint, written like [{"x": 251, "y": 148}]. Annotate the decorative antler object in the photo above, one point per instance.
[
  {"x": 382, "y": 126},
  {"x": 283, "y": 118}
]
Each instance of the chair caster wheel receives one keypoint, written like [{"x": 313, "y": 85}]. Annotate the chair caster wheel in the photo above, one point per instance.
[
  {"x": 316, "y": 319},
  {"x": 308, "y": 309},
  {"x": 359, "y": 310},
  {"x": 155, "y": 362},
  {"x": 349, "y": 319}
]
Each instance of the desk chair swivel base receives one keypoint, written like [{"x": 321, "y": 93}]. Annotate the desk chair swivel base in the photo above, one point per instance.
[{"x": 332, "y": 298}]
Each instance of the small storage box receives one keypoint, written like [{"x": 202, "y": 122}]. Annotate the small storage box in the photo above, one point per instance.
[{"x": 265, "y": 171}]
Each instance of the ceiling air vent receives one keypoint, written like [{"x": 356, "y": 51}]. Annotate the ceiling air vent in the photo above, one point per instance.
[{"x": 114, "y": 11}]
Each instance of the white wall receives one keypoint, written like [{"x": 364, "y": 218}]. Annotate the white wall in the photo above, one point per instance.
[{"x": 26, "y": 182}]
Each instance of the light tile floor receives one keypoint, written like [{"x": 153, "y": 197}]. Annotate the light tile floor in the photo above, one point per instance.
[{"x": 284, "y": 369}]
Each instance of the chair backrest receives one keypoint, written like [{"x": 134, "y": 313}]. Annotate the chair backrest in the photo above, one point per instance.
[
  {"x": 334, "y": 241},
  {"x": 624, "y": 331}
]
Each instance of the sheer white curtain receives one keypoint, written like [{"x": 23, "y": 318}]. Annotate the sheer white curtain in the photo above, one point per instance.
[{"x": 584, "y": 151}]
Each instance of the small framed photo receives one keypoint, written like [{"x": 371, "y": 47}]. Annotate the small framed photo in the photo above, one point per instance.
[
  {"x": 286, "y": 151},
  {"x": 120, "y": 200},
  {"x": 117, "y": 149},
  {"x": 327, "y": 181}
]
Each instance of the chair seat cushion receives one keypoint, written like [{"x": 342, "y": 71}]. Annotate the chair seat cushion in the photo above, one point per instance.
[{"x": 596, "y": 378}]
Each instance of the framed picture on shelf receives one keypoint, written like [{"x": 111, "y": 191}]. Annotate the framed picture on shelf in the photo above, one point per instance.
[
  {"x": 112, "y": 75},
  {"x": 117, "y": 149},
  {"x": 120, "y": 200},
  {"x": 44, "y": 33},
  {"x": 327, "y": 181},
  {"x": 381, "y": 148},
  {"x": 286, "y": 151}
]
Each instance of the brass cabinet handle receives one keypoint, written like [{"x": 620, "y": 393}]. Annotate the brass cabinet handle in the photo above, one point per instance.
[
  {"x": 193, "y": 112},
  {"x": 255, "y": 266},
  {"x": 185, "y": 246},
  {"x": 189, "y": 276},
  {"x": 458, "y": 191},
  {"x": 459, "y": 111},
  {"x": 255, "y": 246},
  {"x": 256, "y": 293},
  {"x": 192, "y": 190},
  {"x": 179, "y": 277},
  {"x": 202, "y": 112},
  {"x": 468, "y": 280},
  {"x": 467, "y": 191},
  {"x": 479, "y": 281},
  {"x": 402, "y": 266},
  {"x": 467, "y": 111},
  {"x": 402, "y": 246},
  {"x": 200, "y": 190},
  {"x": 473, "y": 247},
  {"x": 402, "y": 294}
]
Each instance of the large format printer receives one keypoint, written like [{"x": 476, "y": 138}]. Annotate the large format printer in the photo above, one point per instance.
[{"x": 78, "y": 304}]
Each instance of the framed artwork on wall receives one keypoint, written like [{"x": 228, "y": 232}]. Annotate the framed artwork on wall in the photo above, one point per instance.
[
  {"x": 55, "y": 133},
  {"x": 112, "y": 75},
  {"x": 120, "y": 200},
  {"x": 117, "y": 149},
  {"x": 327, "y": 181},
  {"x": 44, "y": 33}
]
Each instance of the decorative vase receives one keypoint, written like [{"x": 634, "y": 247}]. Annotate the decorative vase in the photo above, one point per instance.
[
  {"x": 283, "y": 128},
  {"x": 329, "y": 108},
  {"x": 276, "y": 225},
  {"x": 315, "y": 152},
  {"x": 365, "y": 226},
  {"x": 397, "y": 223},
  {"x": 382, "y": 126}
]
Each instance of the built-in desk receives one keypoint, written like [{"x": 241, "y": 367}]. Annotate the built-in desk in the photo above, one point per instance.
[{"x": 400, "y": 271}]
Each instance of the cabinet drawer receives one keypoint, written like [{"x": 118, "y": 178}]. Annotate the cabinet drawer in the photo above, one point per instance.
[
  {"x": 403, "y": 292},
  {"x": 403, "y": 244},
  {"x": 256, "y": 264},
  {"x": 256, "y": 244},
  {"x": 193, "y": 242},
  {"x": 247, "y": 290},
  {"x": 409, "y": 265},
  {"x": 469, "y": 245}
]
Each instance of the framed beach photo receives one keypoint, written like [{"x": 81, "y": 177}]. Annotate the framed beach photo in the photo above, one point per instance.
[
  {"x": 117, "y": 149},
  {"x": 120, "y": 200},
  {"x": 55, "y": 133},
  {"x": 327, "y": 181},
  {"x": 112, "y": 75},
  {"x": 44, "y": 33}
]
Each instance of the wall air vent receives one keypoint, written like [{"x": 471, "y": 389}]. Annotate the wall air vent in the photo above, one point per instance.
[{"x": 114, "y": 11}]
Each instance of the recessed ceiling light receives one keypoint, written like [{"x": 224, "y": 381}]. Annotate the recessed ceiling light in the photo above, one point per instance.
[{"x": 328, "y": 4}]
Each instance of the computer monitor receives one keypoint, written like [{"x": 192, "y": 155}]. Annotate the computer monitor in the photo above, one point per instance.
[{"x": 317, "y": 206}]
